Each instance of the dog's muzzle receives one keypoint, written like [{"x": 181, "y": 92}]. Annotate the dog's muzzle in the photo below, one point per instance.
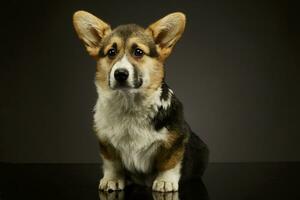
[
  {"x": 124, "y": 75},
  {"x": 123, "y": 81}
]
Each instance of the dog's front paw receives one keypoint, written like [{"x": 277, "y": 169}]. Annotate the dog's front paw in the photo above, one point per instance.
[
  {"x": 107, "y": 184},
  {"x": 165, "y": 186}
]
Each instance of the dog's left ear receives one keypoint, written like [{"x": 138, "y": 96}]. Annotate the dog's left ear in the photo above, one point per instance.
[
  {"x": 91, "y": 30},
  {"x": 167, "y": 31}
]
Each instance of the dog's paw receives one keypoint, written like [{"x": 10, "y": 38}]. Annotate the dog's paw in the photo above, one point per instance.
[
  {"x": 111, "y": 184},
  {"x": 164, "y": 186}
]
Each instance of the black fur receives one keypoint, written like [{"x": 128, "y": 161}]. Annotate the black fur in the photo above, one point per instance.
[
  {"x": 152, "y": 49},
  {"x": 195, "y": 158},
  {"x": 137, "y": 80},
  {"x": 164, "y": 91},
  {"x": 101, "y": 53},
  {"x": 126, "y": 31},
  {"x": 172, "y": 117},
  {"x": 196, "y": 151}
]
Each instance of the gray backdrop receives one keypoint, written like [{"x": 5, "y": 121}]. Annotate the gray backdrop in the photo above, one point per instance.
[{"x": 236, "y": 70}]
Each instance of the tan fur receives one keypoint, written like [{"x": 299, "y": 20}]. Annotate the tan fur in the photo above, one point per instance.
[
  {"x": 157, "y": 71},
  {"x": 90, "y": 30},
  {"x": 105, "y": 64},
  {"x": 107, "y": 151},
  {"x": 157, "y": 42},
  {"x": 172, "y": 161},
  {"x": 114, "y": 39},
  {"x": 156, "y": 77},
  {"x": 101, "y": 74},
  {"x": 168, "y": 156},
  {"x": 166, "y": 33},
  {"x": 140, "y": 43}
]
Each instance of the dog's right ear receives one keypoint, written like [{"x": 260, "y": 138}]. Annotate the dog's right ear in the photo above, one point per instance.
[{"x": 90, "y": 30}]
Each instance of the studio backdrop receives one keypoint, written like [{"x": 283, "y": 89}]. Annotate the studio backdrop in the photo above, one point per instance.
[{"x": 236, "y": 70}]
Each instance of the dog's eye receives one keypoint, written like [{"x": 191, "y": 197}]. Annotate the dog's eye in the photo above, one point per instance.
[
  {"x": 138, "y": 52},
  {"x": 112, "y": 53}
]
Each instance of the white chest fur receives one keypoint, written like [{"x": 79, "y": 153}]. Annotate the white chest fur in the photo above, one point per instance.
[{"x": 128, "y": 128}]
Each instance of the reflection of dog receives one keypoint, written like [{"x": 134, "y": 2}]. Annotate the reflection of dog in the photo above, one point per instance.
[
  {"x": 194, "y": 189},
  {"x": 165, "y": 196},
  {"x": 115, "y": 195},
  {"x": 120, "y": 195},
  {"x": 139, "y": 121}
]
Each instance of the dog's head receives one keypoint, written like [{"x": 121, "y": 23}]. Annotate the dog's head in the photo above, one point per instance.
[{"x": 129, "y": 57}]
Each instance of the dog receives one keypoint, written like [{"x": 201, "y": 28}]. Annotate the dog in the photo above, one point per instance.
[{"x": 138, "y": 120}]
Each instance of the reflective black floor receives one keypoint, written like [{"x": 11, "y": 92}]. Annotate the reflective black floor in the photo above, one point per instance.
[{"x": 221, "y": 181}]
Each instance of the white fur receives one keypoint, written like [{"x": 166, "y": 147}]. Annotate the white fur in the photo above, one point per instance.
[
  {"x": 161, "y": 102},
  {"x": 167, "y": 181},
  {"x": 123, "y": 63},
  {"x": 166, "y": 103},
  {"x": 123, "y": 118},
  {"x": 126, "y": 124},
  {"x": 113, "y": 178}
]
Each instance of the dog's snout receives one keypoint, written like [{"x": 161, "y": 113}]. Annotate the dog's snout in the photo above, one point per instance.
[{"x": 121, "y": 75}]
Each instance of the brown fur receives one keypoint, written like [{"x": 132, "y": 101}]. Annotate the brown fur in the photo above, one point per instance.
[
  {"x": 91, "y": 31},
  {"x": 172, "y": 160},
  {"x": 159, "y": 31},
  {"x": 105, "y": 64},
  {"x": 157, "y": 41},
  {"x": 107, "y": 151},
  {"x": 158, "y": 37},
  {"x": 170, "y": 152},
  {"x": 156, "y": 77}
]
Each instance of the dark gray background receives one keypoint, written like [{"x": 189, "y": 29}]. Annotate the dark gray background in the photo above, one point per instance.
[{"x": 236, "y": 70}]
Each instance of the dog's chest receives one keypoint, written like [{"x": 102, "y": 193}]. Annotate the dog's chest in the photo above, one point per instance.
[{"x": 132, "y": 136}]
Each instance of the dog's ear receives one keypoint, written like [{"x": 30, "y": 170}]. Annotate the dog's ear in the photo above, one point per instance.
[
  {"x": 90, "y": 30},
  {"x": 167, "y": 31}
]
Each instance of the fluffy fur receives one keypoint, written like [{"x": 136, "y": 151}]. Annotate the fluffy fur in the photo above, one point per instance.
[{"x": 138, "y": 120}]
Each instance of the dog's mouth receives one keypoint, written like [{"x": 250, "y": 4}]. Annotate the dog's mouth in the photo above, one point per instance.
[
  {"x": 126, "y": 86},
  {"x": 138, "y": 83}
]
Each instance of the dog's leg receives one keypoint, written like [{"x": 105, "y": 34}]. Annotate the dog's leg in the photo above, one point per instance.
[
  {"x": 167, "y": 181},
  {"x": 113, "y": 176},
  {"x": 168, "y": 164}
]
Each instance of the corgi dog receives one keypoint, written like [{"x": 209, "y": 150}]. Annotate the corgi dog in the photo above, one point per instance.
[{"x": 138, "y": 120}]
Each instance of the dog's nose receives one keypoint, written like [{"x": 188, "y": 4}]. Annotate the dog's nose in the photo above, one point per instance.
[{"x": 121, "y": 75}]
